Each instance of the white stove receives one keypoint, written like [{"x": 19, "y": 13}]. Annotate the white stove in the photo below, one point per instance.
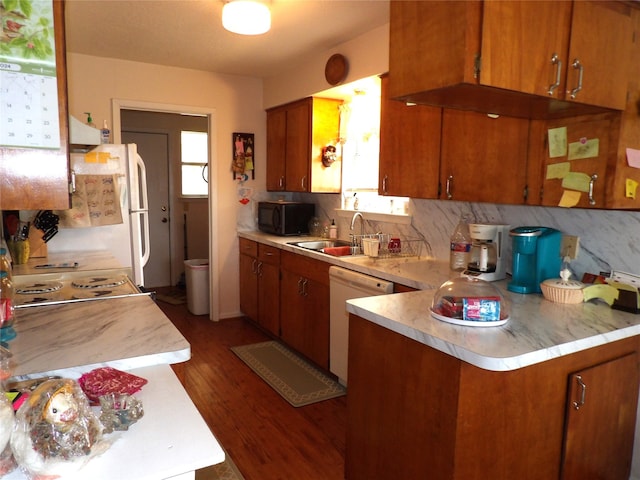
[{"x": 67, "y": 287}]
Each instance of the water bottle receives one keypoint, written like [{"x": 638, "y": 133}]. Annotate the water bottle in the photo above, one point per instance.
[{"x": 460, "y": 246}]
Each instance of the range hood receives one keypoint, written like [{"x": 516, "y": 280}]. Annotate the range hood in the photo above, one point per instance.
[{"x": 81, "y": 134}]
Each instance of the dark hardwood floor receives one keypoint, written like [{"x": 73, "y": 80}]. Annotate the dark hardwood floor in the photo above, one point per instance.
[{"x": 265, "y": 436}]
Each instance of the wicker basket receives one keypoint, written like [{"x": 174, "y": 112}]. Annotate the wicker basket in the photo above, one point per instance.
[{"x": 558, "y": 291}]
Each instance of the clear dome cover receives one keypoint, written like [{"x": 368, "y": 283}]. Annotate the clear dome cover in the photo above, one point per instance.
[{"x": 470, "y": 301}]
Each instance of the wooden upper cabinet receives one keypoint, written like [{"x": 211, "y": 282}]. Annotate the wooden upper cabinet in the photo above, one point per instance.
[
  {"x": 620, "y": 191},
  {"x": 577, "y": 164},
  {"x": 298, "y": 147},
  {"x": 276, "y": 143},
  {"x": 549, "y": 43},
  {"x": 601, "y": 41},
  {"x": 484, "y": 159},
  {"x": 506, "y": 48},
  {"x": 296, "y": 135},
  {"x": 409, "y": 147},
  {"x": 37, "y": 178},
  {"x": 524, "y": 36}
]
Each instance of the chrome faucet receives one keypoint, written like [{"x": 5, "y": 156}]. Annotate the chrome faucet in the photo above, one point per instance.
[{"x": 353, "y": 222}]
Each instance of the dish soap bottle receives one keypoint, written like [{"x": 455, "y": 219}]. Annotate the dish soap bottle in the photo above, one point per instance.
[
  {"x": 460, "y": 246},
  {"x": 333, "y": 229}
]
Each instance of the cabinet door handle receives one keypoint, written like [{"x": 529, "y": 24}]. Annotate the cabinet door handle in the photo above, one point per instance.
[
  {"x": 304, "y": 288},
  {"x": 555, "y": 60},
  {"x": 281, "y": 183},
  {"x": 259, "y": 269},
  {"x": 303, "y": 182},
  {"x": 578, "y": 66},
  {"x": 449, "y": 187},
  {"x": 583, "y": 393},
  {"x": 594, "y": 177},
  {"x": 254, "y": 270},
  {"x": 384, "y": 184},
  {"x": 72, "y": 184},
  {"x": 300, "y": 291}
]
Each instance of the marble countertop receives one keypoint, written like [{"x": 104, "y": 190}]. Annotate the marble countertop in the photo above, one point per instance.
[
  {"x": 537, "y": 330},
  {"x": 422, "y": 273},
  {"x": 87, "y": 261},
  {"x": 124, "y": 333}
]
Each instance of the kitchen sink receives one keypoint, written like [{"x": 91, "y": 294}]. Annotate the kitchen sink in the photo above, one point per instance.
[{"x": 337, "y": 248}]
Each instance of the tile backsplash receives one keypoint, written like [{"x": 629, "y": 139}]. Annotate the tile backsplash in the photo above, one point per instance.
[{"x": 609, "y": 239}]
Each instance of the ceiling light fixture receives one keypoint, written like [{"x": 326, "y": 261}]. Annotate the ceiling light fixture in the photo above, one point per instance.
[{"x": 246, "y": 17}]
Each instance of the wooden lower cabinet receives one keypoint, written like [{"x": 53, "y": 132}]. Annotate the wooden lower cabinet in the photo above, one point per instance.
[
  {"x": 415, "y": 412},
  {"x": 260, "y": 284},
  {"x": 304, "y": 296}
]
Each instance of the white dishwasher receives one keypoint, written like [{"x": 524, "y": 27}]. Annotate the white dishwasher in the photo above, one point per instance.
[{"x": 346, "y": 285}]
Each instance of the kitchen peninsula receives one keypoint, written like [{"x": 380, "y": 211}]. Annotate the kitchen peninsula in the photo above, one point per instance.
[
  {"x": 171, "y": 440},
  {"x": 533, "y": 399}
]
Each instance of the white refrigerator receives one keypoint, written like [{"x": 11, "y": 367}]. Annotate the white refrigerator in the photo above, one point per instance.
[{"x": 85, "y": 227}]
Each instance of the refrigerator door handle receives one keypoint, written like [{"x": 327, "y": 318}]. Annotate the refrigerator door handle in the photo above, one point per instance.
[
  {"x": 143, "y": 208},
  {"x": 143, "y": 198},
  {"x": 146, "y": 250}
]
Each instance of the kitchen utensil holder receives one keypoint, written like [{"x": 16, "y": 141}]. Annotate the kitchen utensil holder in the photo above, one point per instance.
[{"x": 408, "y": 247}]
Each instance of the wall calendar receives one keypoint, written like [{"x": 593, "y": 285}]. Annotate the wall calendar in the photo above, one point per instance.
[{"x": 29, "y": 115}]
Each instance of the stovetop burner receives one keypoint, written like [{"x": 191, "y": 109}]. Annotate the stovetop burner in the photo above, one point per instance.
[
  {"x": 98, "y": 282},
  {"x": 39, "y": 287}
]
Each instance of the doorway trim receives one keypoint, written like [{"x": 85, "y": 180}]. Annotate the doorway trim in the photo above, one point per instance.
[{"x": 120, "y": 104}]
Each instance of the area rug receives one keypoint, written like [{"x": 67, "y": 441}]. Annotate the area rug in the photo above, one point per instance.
[
  {"x": 226, "y": 470},
  {"x": 296, "y": 380},
  {"x": 174, "y": 297}
]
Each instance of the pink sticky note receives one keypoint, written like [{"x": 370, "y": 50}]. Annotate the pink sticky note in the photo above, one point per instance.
[{"x": 633, "y": 157}]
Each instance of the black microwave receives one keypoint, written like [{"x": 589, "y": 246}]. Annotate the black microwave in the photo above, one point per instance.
[{"x": 285, "y": 218}]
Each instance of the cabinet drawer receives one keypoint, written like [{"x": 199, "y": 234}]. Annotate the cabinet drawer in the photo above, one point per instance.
[
  {"x": 268, "y": 254},
  {"x": 248, "y": 247},
  {"x": 305, "y": 267}
]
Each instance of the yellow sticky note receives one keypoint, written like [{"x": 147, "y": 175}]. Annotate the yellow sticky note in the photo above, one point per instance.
[
  {"x": 576, "y": 181},
  {"x": 630, "y": 188},
  {"x": 569, "y": 199},
  {"x": 558, "y": 170},
  {"x": 103, "y": 157},
  {"x": 557, "y": 142},
  {"x": 91, "y": 157},
  {"x": 584, "y": 149}
]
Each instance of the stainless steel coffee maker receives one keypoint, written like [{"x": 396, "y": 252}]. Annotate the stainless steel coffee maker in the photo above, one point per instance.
[{"x": 487, "y": 259}]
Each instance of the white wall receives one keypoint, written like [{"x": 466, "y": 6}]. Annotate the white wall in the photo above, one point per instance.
[
  {"x": 366, "y": 55},
  {"x": 238, "y": 103}
]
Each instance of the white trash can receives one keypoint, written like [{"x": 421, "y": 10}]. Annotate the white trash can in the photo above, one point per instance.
[{"x": 197, "y": 279}]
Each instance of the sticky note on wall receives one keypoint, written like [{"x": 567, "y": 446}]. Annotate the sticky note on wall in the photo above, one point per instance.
[
  {"x": 576, "y": 181},
  {"x": 584, "y": 149},
  {"x": 570, "y": 198},
  {"x": 633, "y": 157},
  {"x": 557, "y": 142},
  {"x": 630, "y": 188},
  {"x": 558, "y": 170}
]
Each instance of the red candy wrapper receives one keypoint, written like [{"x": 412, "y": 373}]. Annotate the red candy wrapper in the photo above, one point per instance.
[{"x": 104, "y": 380}]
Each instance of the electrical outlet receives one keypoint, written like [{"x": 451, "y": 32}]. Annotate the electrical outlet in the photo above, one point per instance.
[{"x": 570, "y": 246}]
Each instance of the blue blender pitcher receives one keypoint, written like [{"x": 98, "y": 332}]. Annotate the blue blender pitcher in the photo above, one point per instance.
[{"x": 536, "y": 257}]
